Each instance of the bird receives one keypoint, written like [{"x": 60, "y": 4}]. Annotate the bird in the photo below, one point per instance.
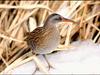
[{"x": 44, "y": 40}]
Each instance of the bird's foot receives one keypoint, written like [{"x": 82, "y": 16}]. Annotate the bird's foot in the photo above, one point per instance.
[
  {"x": 36, "y": 69},
  {"x": 50, "y": 66}
]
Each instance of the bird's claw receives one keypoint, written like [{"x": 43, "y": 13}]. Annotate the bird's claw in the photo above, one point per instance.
[
  {"x": 50, "y": 66},
  {"x": 36, "y": 69}
]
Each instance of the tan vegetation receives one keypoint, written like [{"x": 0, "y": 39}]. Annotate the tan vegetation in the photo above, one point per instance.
[{"x": 19, "y": 17}]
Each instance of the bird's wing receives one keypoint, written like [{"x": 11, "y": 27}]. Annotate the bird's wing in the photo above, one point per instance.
[
  {"x": 38, "y": 37},
  {"x": 34, "y": 33}
]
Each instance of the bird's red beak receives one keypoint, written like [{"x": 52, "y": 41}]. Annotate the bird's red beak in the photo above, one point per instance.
[{"x": 68, "y": 20}]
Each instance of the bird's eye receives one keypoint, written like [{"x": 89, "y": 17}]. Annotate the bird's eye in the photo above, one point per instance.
[{"x": 58, "y": 18}]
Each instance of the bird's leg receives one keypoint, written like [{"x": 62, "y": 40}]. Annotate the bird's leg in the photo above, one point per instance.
[
  {"x": 36, "y": 69},
  {"x": 49, "y": 65}
]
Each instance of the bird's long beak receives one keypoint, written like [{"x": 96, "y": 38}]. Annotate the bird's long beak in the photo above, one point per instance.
[{"x": 68, "y": 20}]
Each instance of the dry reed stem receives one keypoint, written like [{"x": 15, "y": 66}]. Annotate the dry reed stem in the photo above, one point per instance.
[
  {"x": 81, "y": 22},
  {"x": 25, "y": 18},
  {"x": 14, "y": 24},
  {"x": 83, "y": 5},
  {"x": 44, "y": 15},
  {"x": 73, "y": 8},
  {"x": 3, "y": 6},
  {"x": 16, "y": 56},
  {"x": 89, "y": 25},
  {"x": 94, "y": 40},
  {"x": 68, "y": 37},
  {"x": 10, "y": 38},
  {"x": 4, "y": 61},
  {"x": 93, "y": 31},
  {"x": 15, "y": 64},
  {"x": 90, "y": 17}
]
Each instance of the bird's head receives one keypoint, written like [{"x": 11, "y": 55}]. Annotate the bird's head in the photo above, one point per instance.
[{"x": 54, "y": 19}]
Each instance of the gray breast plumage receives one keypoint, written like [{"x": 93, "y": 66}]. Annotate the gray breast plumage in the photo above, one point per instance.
[{"x": 49, "y": 43}]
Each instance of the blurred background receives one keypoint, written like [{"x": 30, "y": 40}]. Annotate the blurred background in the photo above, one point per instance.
[{"x": 19, "y": 17}]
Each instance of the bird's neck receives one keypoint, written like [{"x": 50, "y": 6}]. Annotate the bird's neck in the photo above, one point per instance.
[{"x": 49, "y": 25}]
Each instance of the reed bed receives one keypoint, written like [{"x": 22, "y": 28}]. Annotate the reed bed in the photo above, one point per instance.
[{"x": 19, "y": 17}]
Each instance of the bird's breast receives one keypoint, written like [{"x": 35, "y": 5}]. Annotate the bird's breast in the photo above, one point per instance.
[{"x": 49, "y": 42}]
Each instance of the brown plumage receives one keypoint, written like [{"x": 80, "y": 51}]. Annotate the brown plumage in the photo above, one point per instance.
[
  {"x": 40, "y": 39},
  {"x": 44, "y": 40}
]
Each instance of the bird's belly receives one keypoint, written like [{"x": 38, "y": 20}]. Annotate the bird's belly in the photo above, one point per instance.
[{"x": 50, "y": 45}]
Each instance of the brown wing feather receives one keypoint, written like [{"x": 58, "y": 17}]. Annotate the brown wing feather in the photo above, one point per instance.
[{"x": 37, "y": 37}]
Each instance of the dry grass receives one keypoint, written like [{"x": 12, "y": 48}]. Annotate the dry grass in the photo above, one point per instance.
[{"x": 15, "y": 21}]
